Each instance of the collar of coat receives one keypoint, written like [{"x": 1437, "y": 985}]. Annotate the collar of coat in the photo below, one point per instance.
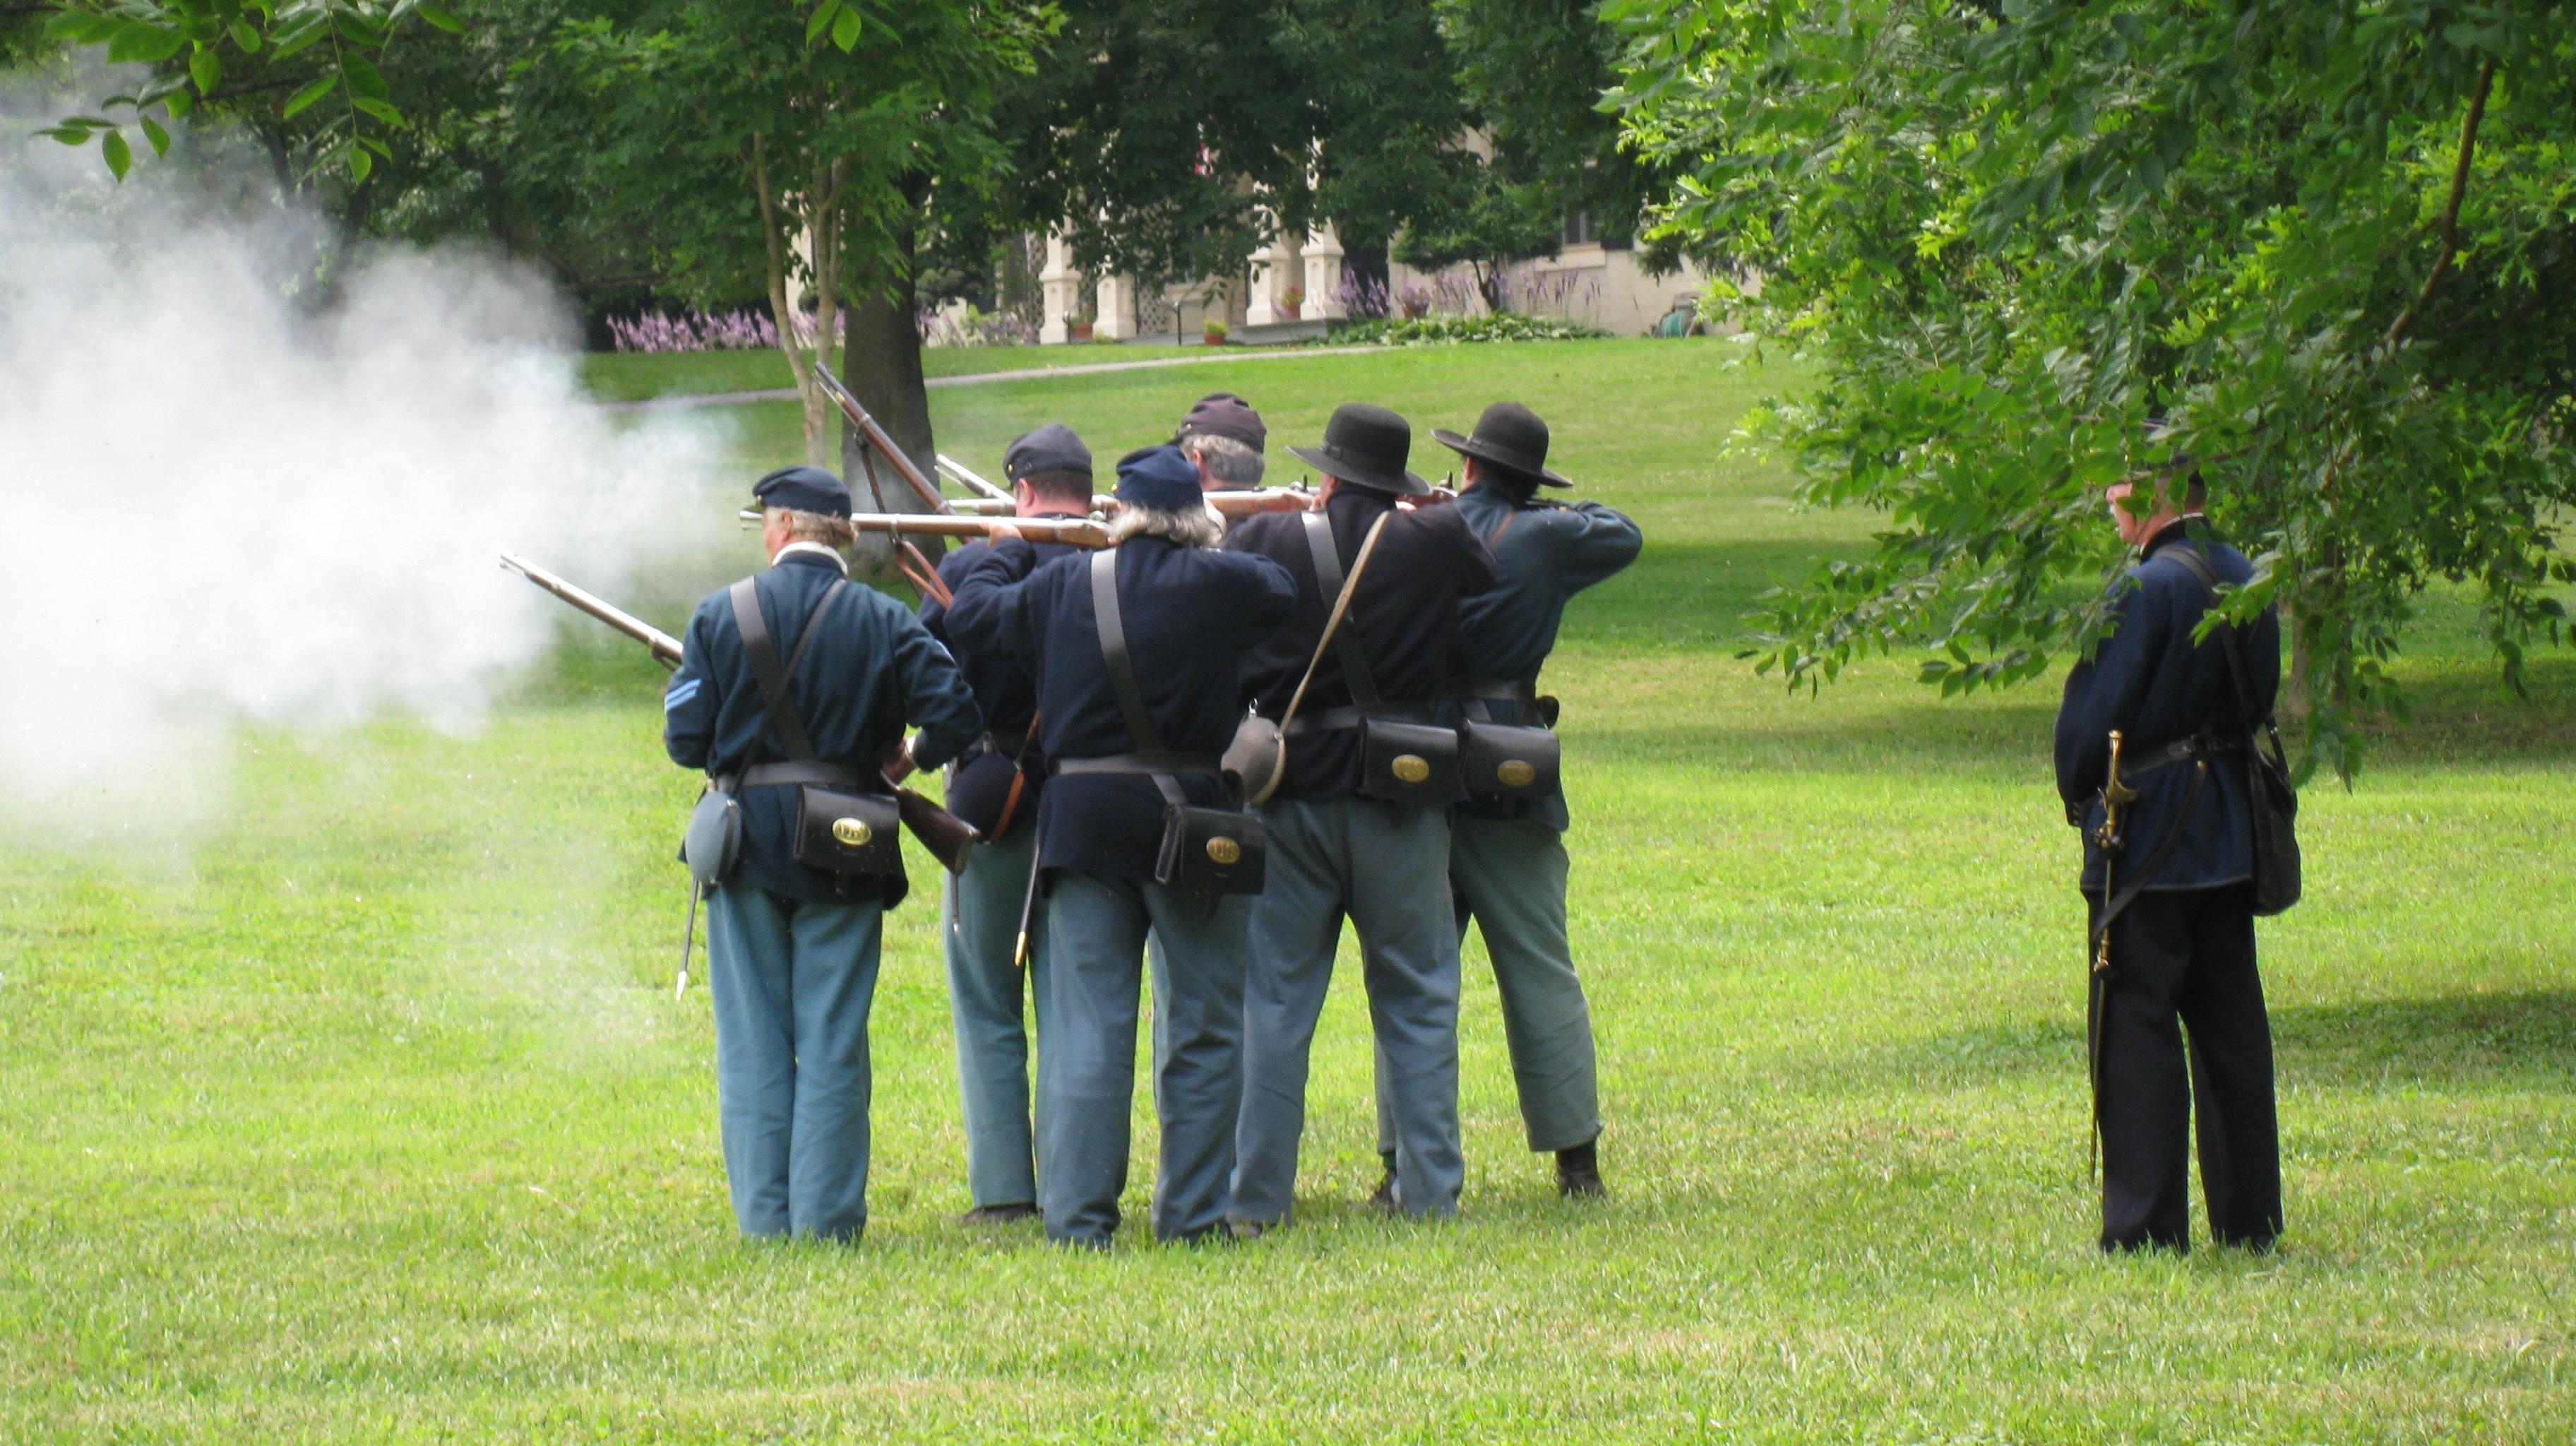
[
  {"x": 2172, "y": 532},
  {"x": 813, "y": 554}
]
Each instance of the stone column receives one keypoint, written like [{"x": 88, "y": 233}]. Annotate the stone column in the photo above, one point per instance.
[
  {"x": 1117, "y": 300},
  {"x": 1061, "y": 286},
  {"x": 1324, "y": 274},
  {"x": 1274, "y": 270}
]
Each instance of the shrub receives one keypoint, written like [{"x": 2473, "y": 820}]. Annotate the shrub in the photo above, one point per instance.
[{"x": 1431, "y": 330}]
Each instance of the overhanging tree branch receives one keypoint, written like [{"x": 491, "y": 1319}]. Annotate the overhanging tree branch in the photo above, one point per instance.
[{"x": 2405, "y": 321}]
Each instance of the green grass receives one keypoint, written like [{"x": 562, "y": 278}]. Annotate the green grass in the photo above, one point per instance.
[
  {"x": 374, "y": 1117},
  {"x": 627, "y": 376}
]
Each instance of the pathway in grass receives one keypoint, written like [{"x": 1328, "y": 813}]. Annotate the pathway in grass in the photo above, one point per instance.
[{"x": 375, "y": 1118}]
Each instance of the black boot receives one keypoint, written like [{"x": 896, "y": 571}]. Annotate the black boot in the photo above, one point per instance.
[
  {"x": 1383, "y": 1198},
  {"x": 1578, "y": 1172}
]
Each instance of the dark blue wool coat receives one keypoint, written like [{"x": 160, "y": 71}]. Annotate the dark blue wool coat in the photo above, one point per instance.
[
  {"x": 873, "y": 669},
  {"x": 2151, "y": 682}
]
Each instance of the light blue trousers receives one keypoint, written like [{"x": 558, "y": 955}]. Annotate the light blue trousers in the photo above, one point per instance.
[
  {"x": 980, "y": 910},
  {"x": 1509, "y": 875},
  {"x": 1386, "y": 867},
  {"x": 1096, "y": 929},
  {"x": 792, "y": 983}
]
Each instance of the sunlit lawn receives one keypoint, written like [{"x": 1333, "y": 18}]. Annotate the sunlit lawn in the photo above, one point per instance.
[{"x": 375, "y": 1117}]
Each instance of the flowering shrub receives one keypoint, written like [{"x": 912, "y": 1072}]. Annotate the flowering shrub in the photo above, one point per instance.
[
  {"x": 1362, "y": 298},
  {"x": 744, "y": 330}
]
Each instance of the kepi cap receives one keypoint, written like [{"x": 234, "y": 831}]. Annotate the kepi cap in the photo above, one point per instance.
[
  {"x": 1051, "y": 448},
  {"x": 803, "y": 489},
  {"x": 1160, "y": 478},
  {"x": 1223, "y": 414}
]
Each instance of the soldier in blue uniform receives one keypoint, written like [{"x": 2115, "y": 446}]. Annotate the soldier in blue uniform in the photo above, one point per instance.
[
  {"x": 996, "y": 786},
  {"x": 1507, "y": 860},
  {"x": 792, "y": 950},
  {"x": 1223, "y": 436},
  {"x": 2182, "y": 946},
  {"x": 1334, "y": 853},
  {"x": 1186, "y": 613}
]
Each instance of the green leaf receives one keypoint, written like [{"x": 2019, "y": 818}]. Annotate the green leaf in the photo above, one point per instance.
[
  {"x": 364, "y": 78},
  {"x": 293, "y": 39},
  {"x": 381, "y": 110},
  {"x": 120, "y": 156},
  {"x": 206, "y": 70},
  {"x": 144, "y": 43},
  {"x": 360, "y": 163},
  {"x": 246, "y": 35},
  {"x": 69, "y": 25},
  {"x": 440, "y": 18},
  {"x": 846, "y": 27},
  {"x": 152, "y": 132},
  {"x": 309, "y": 94},
  {"x": 820, "y": 20},
  {"x": 179, "y": 103},
  {"x": 68, "y": 135}
]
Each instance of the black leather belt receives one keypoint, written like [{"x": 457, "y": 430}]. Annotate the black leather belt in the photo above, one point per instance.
[
  {"x": 1351, "y": 715},
  {"x": 2179, "y": 751},
  {"x": 761, "y": 775},
  {"x": 1142, "y": 762}
]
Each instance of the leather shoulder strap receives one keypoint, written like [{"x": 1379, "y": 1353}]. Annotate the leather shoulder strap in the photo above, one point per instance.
[
  {"x": 763, "y": 655},
  {"x": 2198, "y": 566},
  {"x": 1113, "y": 651},
  {"x": 1328, "y": 581}
]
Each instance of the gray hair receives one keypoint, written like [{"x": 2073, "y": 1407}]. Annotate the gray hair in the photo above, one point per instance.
[
  {"x": 1228, "y": 460},
  {"x": 1197, "y": 527},
  {"x": 833, "y": 532}
]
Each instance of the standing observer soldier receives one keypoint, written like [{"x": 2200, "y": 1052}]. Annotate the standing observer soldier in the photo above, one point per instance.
[
  {"x": 2179, "y": 884},
  {"x": 792, "y": 948},
  {"x": 1223, "y": 437},
  {"x": 1184, "y": 613},
  {"x": 996, "y": 786},
  {"x": 1356, "y": 828},
  {"x": 1507, "y": 861}
]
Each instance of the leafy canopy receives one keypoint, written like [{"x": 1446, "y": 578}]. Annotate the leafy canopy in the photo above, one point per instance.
[{"x": 2332, "y": 242}]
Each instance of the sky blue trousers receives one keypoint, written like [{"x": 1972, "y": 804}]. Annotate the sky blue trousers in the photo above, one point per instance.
[
  {"x": 792, "y": 983},
  {"x": 1386, "y": 867},
  {"x": 980, "y": 910},
  {"x": 1509, "y": 875},
  {"x": 1096, "y": 929}
]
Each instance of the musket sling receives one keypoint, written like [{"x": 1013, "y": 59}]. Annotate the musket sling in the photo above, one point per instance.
[
  {"x": 1401, "y": 760},
  {"x": 1205, "y": 850}
]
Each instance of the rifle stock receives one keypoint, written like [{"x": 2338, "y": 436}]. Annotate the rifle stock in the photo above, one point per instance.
[{"x": 946, "y": 836}]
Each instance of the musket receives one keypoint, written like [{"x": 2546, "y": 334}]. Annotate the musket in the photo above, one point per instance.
[
  {"x": 951, "y": 467},
  {"x": 1072, "y": 531},
  {"x": 878, "y": 442},
  {"x": 944, "y": 834}
]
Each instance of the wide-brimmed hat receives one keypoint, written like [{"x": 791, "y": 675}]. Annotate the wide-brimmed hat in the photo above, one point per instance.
[
  {"x": 1511, "y": 437},
  {"x": 1366, "y": 446}
]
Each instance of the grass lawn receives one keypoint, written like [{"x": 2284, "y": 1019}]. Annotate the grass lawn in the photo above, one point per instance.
[
  {"x": 374, "y": 1117},
  {"x": 627, "y": 376}
]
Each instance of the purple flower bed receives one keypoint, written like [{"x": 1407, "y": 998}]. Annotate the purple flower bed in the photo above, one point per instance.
[{"x": 744, "y": 330}]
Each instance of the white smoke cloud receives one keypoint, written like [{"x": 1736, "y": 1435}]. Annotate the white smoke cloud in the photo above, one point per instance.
[{"x": 222, "y": 504}]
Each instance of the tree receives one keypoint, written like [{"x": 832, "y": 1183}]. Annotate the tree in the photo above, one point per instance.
[
  {"x": 773, "y": 150},
  {"x": 2330, "y": 242},
  {"x": 304, "y": 53}
]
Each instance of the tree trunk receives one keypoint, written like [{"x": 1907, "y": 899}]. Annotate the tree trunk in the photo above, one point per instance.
[{"x": 884, "y": 360}]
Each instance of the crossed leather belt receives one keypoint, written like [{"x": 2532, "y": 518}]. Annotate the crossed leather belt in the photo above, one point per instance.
[
  {"x": 1140, "y": 763},
  {"x": 827, "y": 775},
  {"x": 1351, "y": 715}
]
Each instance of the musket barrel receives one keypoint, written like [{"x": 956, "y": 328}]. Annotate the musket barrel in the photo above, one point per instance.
[
  {"x": 664, "y": 647},
  {"x": 967, "y": 478}
]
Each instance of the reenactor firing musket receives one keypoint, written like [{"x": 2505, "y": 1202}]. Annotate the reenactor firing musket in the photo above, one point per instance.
[{"x": 944, "y": 834}]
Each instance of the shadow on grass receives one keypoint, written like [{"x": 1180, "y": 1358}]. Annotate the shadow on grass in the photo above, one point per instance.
[{"x": 2522, "y": 1039}]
